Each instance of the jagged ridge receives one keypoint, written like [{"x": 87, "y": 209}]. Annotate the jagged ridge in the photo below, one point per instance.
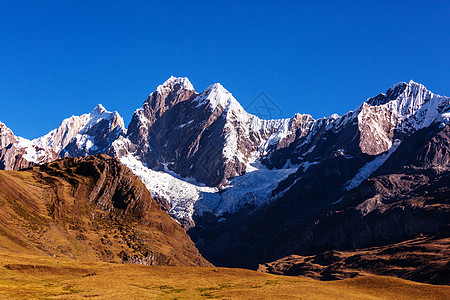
[{"x": 209, "y": 137}]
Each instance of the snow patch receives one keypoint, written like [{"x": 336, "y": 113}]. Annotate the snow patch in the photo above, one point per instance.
[
  {"x": 370, "y": 167},
  {"x": 172, "y": 81}
]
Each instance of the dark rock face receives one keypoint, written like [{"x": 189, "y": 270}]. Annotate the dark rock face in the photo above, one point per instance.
[
  {"x": 181, "y": 139},
  {"x": 206, "y": 136},
  {"x": 408, "y": 196}
]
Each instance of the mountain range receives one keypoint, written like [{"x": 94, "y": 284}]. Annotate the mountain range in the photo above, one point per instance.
[{"x": 251, "y": 191}]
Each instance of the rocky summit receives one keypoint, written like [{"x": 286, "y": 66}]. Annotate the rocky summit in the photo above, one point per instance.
[{"x": 251, "y": 191}]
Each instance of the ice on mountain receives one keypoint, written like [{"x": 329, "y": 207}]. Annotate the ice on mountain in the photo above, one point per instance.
[
  {"x": 370, "y": 167},
  {"x": 172, "y": 81}
]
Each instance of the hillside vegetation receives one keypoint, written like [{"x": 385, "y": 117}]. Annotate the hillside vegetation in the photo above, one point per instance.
[
  {"x": 44, "y": 277},
  {"x": 91, "y": 208}
]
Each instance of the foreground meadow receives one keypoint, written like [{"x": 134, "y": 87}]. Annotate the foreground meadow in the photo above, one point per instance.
[{"x": 44, "y": 277}]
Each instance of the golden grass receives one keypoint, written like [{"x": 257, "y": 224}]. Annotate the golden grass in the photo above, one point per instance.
[
  {"x": 41, "y": 218},
  {"x": 43, "y": 277}
]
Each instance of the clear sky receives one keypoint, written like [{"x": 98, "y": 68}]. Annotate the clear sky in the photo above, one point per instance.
[{"x": 62, "y": 58}]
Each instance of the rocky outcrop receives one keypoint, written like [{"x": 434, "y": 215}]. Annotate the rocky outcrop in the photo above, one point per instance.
[
  {"x": 424, "y": 259},
  {"x": 90, "y": 208},
  {"x": 110, "y": 186}
]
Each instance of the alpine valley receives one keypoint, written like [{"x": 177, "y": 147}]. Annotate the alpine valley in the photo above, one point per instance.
[{"x": 343, "y": 196}]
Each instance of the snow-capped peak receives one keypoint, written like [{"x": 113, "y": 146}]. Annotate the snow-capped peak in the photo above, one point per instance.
[
  {"x": 99, "y": 109},
  {"x": 216, "y": 95},
  {"x": 100, "y": 113},
  {"x": 170, "y": 83},
  {"x": 59, "y": 138},
  {"x": 406, "y": 108}
]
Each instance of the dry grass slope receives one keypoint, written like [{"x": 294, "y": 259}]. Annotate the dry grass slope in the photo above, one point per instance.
[
  {"x": 37, "y": 276},
  {"x": 61, "y": 239},
  {"x": 90, "y": 208}
]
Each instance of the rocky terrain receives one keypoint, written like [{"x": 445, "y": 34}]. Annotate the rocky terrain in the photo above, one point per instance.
[
  {"x": 90, "y": 208},
  {"x": 406, "y": 197},
  {"x": 424, "y": 259},
  {"x": 252, "y": 191}
]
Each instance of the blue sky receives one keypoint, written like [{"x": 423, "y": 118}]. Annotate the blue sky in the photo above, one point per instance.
[{"x": 62, "y": 58}]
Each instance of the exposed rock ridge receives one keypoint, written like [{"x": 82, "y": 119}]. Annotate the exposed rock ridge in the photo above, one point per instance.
[{"x": 87, "y": 134}]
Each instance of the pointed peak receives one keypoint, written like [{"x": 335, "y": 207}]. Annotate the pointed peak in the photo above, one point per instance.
[
  {"x": 391, "y": 94},
  {"x": 169, "y": 84},
  {"x": 215, "y": 95},
  {"x": 215, "y": 86},
  {"x": 99, "y": 109},
  {"x": 415, "y": 85},
  {"x": 100, "y": 112}
]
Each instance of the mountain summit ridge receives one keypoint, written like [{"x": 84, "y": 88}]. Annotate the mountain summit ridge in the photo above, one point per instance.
[
  {"x": 250, "y": 191},
  {"x": 210, "y": 138}
]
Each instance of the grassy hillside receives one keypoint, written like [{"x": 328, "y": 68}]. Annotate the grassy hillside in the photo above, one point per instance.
[
  {"x": 72, "y": 229},
  {"x": 44, "y": 277},
  {"x": 91, "y": 208}
]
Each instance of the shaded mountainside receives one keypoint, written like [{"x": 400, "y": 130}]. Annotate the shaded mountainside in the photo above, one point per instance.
[
  {"x": 408, "y": 196},
  {"x": 90, "y": 208},
  {"x": 424, "y": 259}
]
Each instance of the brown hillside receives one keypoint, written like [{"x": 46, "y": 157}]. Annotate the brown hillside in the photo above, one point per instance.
[
  {"x": 90, "y": 208},
  {"x": 424, "y": 259}
]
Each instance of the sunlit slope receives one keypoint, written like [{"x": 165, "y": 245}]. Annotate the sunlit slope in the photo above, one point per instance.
[
  {"x": 90, "y": 208},
  {"x": 33, "y": 276}
]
